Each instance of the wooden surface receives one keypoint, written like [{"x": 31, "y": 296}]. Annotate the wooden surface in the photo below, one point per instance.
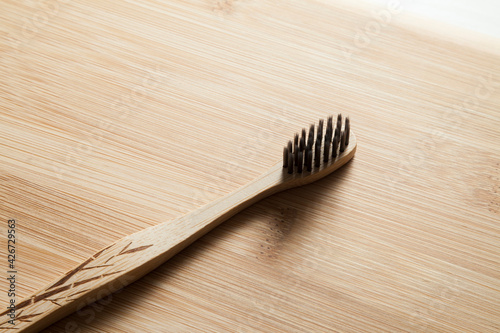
[
  {"x": 118, "y": 116},
  {"x": 132, "y": 257}
]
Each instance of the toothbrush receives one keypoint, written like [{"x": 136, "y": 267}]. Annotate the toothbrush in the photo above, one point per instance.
[{"x": 306, "y": 159}]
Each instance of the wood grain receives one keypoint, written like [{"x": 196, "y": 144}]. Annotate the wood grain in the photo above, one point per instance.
[
  {"x": 115, "y": 116},
  {"x": 130, "y": 258}
]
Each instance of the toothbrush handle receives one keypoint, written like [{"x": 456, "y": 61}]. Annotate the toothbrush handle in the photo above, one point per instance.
[{"x": 130, "y": 258}]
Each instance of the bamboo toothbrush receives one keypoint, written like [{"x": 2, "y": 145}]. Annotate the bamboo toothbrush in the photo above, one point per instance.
[{"x": 305, "y": 159}]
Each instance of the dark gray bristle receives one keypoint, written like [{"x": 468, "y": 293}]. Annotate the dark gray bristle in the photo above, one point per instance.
[
  {"x": 335, "y": 146},
  {"x": 304, "y": 134},
  {"x": 328, "y": 135},
  {"x": 317, "y": 154},
  {"x": 290, "y": 146},
  {"x": 285, "y": 157},
  {"x": 337, "y": 133},
  {"x": 296, "y": 154},
  {"x": 347, "y": 129},
  {"x": 329, "y": 124},
  {"x": 302, "y": 144},
  {"x": 326, "y": 152},
  {"x": 290, "y": 162},
  {"x": 301, "y": 162},
  {"x": 329, "y": 130},
  {"x": 310, "y": 140},
  {"x": 342, "y": 142},
  {"x": 319, "y": 139},
  {"x": 296, "y": 140},
  {"x": 309, "y": 158}
]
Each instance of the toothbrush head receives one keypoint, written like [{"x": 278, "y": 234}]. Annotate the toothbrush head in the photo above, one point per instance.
[{"x": 321, "y": 151}]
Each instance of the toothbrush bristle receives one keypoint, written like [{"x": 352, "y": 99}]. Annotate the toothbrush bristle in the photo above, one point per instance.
[
  {"x": 310, "y": 139},
  {"x": 347, "y": 130},
  {"x": 303, "y": 154}
]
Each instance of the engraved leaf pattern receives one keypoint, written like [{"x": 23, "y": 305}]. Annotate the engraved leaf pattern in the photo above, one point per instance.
[{"x": 51, "y": 294}]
